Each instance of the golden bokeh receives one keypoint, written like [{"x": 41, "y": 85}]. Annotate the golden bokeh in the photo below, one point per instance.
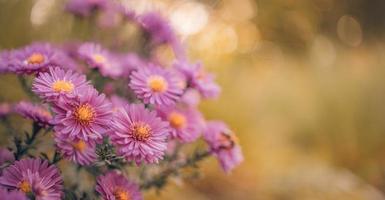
[{"x": 302, "y": 85}]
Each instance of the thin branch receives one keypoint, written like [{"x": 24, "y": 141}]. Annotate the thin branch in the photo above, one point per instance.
[{"x": 161, "y": 179}]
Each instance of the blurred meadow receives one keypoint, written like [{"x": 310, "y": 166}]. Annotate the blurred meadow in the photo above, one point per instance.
[{"x": 303, "y": 86}]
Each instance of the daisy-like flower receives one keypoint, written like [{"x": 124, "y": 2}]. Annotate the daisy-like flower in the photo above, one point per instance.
[
  {"x": 35, "y": 58},
  {"x": 139, "y": 134},
  {"x": 96, "y": 56},
  {"x": 37, "y": 113},
  {"x": 11, "y": 195},
  {"x": 224, "y": 144},
  {"x": 85, "y": 7},
  {"x": 156, "y": 86},
  {"x": 158, "y": 28},
  {"x": 114, "y": 186},
  {"x": 76, "y": 150},
  {"x": 199, "y": 79},
  {"x": 58, "y": 83},
  {"x": 186, "y": 123},
  {"x": 86, "y": 117},
  {"x": 34, "y": 177}
]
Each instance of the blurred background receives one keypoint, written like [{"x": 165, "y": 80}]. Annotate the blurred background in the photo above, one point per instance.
[{"x": 303, "y": 87}]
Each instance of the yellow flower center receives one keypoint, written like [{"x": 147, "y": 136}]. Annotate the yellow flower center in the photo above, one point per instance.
[
  {"x": 79, "y": 146},
  {"x": 157, "y": 83},
  {"x": 177, "y": 120},
  {"x": 62, "y": 86},
  {"x": 140, "y": 131},
  {"x": 25, "y": 186},
  {"x": 98, "y": 58},
  {"x": 35, "y": 58},
  {"x": 84, "y": 114},
  {"x": 121, "y": 194}
]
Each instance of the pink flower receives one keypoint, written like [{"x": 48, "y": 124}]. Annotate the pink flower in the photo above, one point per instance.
[
  {"x": 85, "y": 117},
  {"x": 138, "y": 134},
  {"x": 186, "y": 123},
  {"x": 155, "y": 85},
  {"x": 76, "y": 150},
  {"x": 34, "y": 176},
  {"x": 199, "y": 79},
  {"x": 58, "y": 83},
  {"x": 224, "y": 144},
  {"x": 37, "y": 113},
  {"x": 114, "y": 186}
]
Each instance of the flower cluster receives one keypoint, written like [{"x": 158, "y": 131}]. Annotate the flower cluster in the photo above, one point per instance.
[{"x": 106, "y": 109}]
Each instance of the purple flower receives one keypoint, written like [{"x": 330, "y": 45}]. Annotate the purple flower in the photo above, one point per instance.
[
  {"x": 190, "y": 98},
  {"x": 224, "y": 144},
  {"x": 85, "y": 7},
  {"x": 34, "y": 177},
  {"x": 155, "y": 85},
  {"x": 58, "y": 83},
  {"x": 37, "y": 57},
  {"x": 11, "y": 195},
  {"x": 130, "y": 62},
  {"x": 199, "y": 79},
  {"x": 87, "y": 116},
  {"x": 96, "y": 56},
  {"x": 4, "y": 61},
  {"x": 6, "y": 157},
  {"x": 139, "y": 134},
  {"x": 186, "y": 123},
  {"x": 76, "y": 150},
  {"x": 114, "y": 186},
  {"x": 39, "y": 114},
  {"x": 161, "y": 32}
]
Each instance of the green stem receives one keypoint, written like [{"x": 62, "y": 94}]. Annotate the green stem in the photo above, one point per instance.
[
  {"x": 26, "y": 88},
  {"x": 160, "y": 180},
  {"x": 22, "y": 149}
]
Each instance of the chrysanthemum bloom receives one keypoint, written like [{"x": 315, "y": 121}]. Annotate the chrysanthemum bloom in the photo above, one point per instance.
[
  {"x": 158, "y": 28},
  {"x": 58, "y": 83},
  {"x": 6, "y": 157},
  {"x": 199, "y": 79},
  {"x": 156, "y": 86},
  {"x": 34, "y": 177},
  {"x": 39, "y": 114},
  {"x": 108, "y": 63},
  {"x": 139, "y": 134},
  {"x": 76, "y": 150},
  {"x": 114, "y": 186},
  {"x": 85, "y": 7},
  {"x": 186, "y": 123},
  {"x": 161, "y": 32},
  {"x": 11, "y": 195},
  {"x": 35, "y": 58},
  {"x": 94, "y": 54},
  {"x": 130, "y": 62},
  {"x": 87, "y": 116},
  {"x": 224, "y": 144}
]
